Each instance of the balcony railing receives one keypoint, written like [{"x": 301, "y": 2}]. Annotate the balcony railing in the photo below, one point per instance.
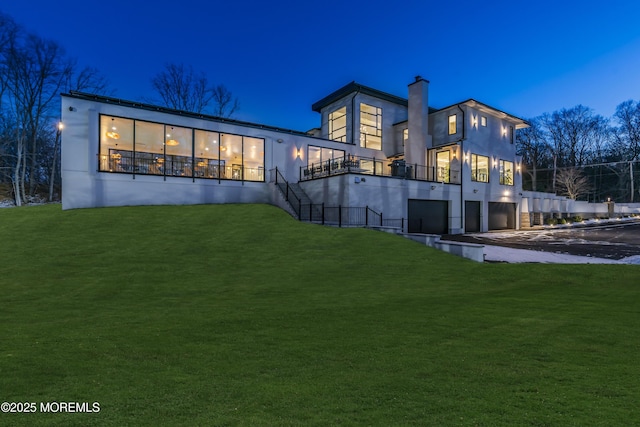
[{"x": 377, "y": 167}]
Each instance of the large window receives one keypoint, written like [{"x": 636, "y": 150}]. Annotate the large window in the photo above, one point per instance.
[
  {"x": 370, "y": 127},
  {"x": 506, "y": 172},
  {"x": 146, "y": 148},
  {"x": 338, "y": 125},
  {"x": 479, "y": 168},
  {"x": 453, "y": 124},
  {"x": 443, "y": 164}
]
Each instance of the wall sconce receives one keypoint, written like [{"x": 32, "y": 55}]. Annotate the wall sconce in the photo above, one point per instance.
[
  {"x": 474, "y": 121},
  {"x": 518, "y": 167},
  {"x": 466, "y": 158},
  {"x": 279, "y": 140},
  {"x": 433, "y": 187},
  {"x": 475, "y": 190},
  {"x": 504, "y": 131}
]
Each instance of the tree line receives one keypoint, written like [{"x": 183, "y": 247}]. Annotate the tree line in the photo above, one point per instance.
[
  {"x": 34, "y": 71},
  {"x": 583, "y": 155}
]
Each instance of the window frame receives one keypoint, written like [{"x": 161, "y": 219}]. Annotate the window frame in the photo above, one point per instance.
[
  {"x": 337, "y": 134},
  {"x": 474, "y": 168},
  {"x": 136, "y": 161},
  {"x": 378, "y": 126},
  {"x": 453, "y": 123},
  {"x": 506, "y": 176}
]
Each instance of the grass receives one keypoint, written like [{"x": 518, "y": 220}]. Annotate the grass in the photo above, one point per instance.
[{"x": 239, "y": 315}]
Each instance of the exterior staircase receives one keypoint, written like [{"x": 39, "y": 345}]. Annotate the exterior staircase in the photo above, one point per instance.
[{"x": 300, "y": 203}]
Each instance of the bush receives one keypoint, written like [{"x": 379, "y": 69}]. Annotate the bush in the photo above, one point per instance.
[
  {"x": 562, "y": 221},
  {"x": 551, "y": 221},
  {"x": 576, "y": 218}
]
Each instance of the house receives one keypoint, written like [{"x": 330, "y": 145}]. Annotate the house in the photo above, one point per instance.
[{"x": 445, "y": 170}]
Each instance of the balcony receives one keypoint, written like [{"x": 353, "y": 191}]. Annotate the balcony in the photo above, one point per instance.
[{"x": 396, "y": 169}]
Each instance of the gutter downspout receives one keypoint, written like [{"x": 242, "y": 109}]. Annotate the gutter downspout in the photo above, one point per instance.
[
  {"x": 353, "y": 117},
  {"x": 462, "y": 169}
]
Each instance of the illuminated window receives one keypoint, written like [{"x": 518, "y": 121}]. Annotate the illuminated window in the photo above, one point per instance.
[
  {"x": 160, "y": 149},
  {"x": 370, "y": 127},
  {"x": 443, "y": 163},
  {"x": 506, "y": 172},
  {"x": 483, "y": 121},
  {"x": 453, "y": 124},
  {"x": 479, "y": 168},
  {"x": 338, "y": 125}
]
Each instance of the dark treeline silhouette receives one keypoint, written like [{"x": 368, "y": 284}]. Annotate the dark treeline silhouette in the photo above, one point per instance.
[{"x": 583, "y": 155}]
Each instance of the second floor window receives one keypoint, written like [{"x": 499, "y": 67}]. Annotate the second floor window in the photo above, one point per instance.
[
  {"x": 453, "y": 124},
  {"x": 506, "y": 172},
  {"x": 479, "y": 168},
  {"x": 338, "y": 125},
  {"x": 370, "y": 127}
]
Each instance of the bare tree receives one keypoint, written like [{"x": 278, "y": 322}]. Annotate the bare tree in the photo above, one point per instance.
[
  {"x": 225, "y": 104},
  {"x": 33, "y": 72},
  {"x": 181, "y": 88},
  {"x": 573, "y": 183},
  {"x": 627, "y": 134},
  {"x": 575, "y": 134},
  {"x": 532, "y": 146}
]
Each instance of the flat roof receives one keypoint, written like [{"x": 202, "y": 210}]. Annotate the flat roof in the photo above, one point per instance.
[
  {"x": 150, "y": 107},
  {"x": 356, "y": 87},
  {"x": 520, "y": 123}
]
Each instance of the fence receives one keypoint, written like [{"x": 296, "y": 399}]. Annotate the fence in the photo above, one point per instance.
[{"x": 347, "y": 216}]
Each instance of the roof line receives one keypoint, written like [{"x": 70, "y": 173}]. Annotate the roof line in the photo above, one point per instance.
[
  {"x": 150, "y": 107},
  {"x": 474, "y": 101},
  {"x": 356, "y": 87}
]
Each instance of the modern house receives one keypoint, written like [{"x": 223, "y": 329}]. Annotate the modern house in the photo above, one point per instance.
[{"x": 445, "y": 170}]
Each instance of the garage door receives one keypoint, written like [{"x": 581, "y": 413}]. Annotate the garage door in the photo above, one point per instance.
[
  {"x": 502, "y": 216},
  {"x": 428, "y": 216},
  {"x": 471, "y": 216}
]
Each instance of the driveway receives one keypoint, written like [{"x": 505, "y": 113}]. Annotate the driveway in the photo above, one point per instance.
[{"x": 612, "y": 239}]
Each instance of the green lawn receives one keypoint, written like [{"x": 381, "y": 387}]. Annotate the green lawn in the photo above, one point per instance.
[{"x": 240, "y": 315}]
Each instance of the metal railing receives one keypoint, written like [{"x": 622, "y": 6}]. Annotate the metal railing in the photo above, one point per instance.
[
  {"x": 348, "y": 216},
  {"x": 290, "y": 196},
  {"x": 124, "y": 161},
  {"x": 376, "y": 167},
  {"x": 341, "y": 216}
]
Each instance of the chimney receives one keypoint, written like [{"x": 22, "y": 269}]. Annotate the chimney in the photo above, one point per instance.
[{"x": 415, "y": 150}]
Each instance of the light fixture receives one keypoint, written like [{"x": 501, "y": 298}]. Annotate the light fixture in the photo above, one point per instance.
[
  {"x": 433, "y": 187},
  {"x": 112, "y": 133},
  {"x": 171, "y": 142},
  {"x": 475, "y": 190},
  {"x": 202, "y": 164},
  {"x": 504, "y": 131}
]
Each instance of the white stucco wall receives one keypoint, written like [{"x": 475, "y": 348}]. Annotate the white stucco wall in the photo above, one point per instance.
[{"x": 84, "y": 186}]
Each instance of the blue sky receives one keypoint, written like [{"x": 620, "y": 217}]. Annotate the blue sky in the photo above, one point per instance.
[{"x": 279, "y": 57}]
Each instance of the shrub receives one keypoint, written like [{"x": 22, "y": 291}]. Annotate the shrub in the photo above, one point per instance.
[
  {"x": 551, "y": 221},
  {"x": 576, "y": 218},
  {"x": 562, "y": 221}
]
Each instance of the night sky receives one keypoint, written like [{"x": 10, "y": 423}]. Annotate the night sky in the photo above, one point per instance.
[{"x": 279, "y": 57}]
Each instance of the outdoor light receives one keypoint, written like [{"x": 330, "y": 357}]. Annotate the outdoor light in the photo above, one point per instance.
[
  {"x": 504, "y": 131},
  {"x": 60, "y": 126},
  {"x": 474, "y": 121},
  {"x": 172, "y": 142}
]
